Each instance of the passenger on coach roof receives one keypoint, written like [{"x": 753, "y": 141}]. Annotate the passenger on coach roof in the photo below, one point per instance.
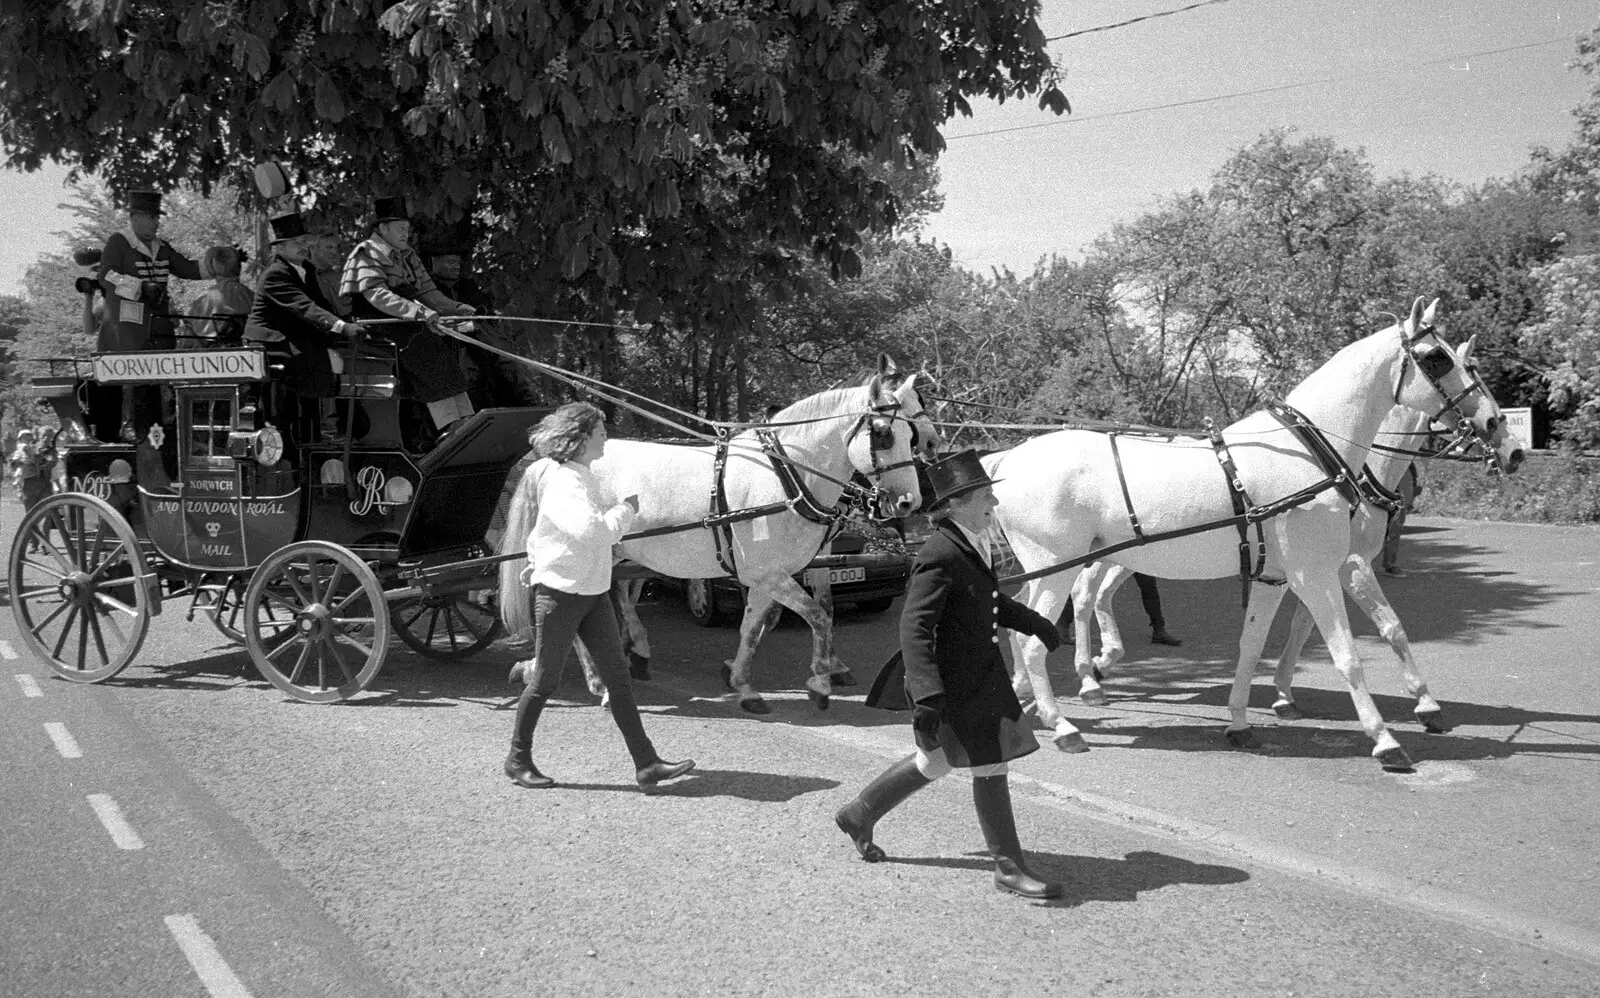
[
  {"x": 493, "y": 379},
  {"x": 385, "y": 278},
  {"x": 134, "y": 269}
]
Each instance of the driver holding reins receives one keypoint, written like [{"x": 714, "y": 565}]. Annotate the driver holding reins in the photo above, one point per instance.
[{"x": 384, "y": 278}]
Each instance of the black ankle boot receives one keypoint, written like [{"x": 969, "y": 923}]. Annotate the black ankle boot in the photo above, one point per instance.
[
  {"x": 991, "y": 796},
  {"x": 858, "y": 818},
  {"x": 653, "y": 773},
  {"x": 525, "y": 774}
]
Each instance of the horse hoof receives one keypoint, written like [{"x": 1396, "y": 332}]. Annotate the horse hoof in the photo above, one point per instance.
[
  {"x": 638, "y": 667},
  {"x": 1072, "y": 743},
  {"x": 754, "y": 705},
  {"x": 1097, "y": 674},
  {"x": 818, "y": 700},
  {"x": 1288, "y": 712},
  {"x": 1395, "y": 760},
  {"x": 727, "y": 680},
  {"x": 1093, "y": 698},
  {"x": 845, "y": 678},
  {"x": 1243, "y": 738},
  {"x": 1432, "y": 721}
]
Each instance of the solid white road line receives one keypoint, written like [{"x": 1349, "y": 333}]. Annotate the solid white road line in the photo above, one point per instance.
[
  {"x": 110, "y": 816},
  {"x": 65, "y": 743},
  {"x": 6, "y": 651},
  {"x": 30, "y": 685},
  {"x": 207, "y": 962}
]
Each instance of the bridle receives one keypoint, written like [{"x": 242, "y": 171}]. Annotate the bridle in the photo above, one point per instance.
[
  {"x": 879, "y": 424},
  {"x": 1433, "y": 371}
]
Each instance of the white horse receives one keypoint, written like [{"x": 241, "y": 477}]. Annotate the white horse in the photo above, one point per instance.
[
  {"x": 1062, "y": 496},
  {"x": 829, "y": 436},
  {"x": 1099, "y": 583}
]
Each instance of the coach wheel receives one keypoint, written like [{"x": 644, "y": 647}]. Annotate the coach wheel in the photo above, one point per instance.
[
  {"x": 445, "y": 626},
  {"x": 80, "y": 588},
  {"x": 701, "y": 599},
  {"x": 315, "y": 622}
]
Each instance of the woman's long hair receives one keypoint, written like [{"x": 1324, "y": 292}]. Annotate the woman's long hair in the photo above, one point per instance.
[{"x": 515, "y": 611}]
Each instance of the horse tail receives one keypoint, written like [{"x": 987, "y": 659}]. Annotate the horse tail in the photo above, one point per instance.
[{"x": 515, "y": 606}]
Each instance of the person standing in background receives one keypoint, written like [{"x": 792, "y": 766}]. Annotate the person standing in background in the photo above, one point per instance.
[{"x": 218, "y": 316}]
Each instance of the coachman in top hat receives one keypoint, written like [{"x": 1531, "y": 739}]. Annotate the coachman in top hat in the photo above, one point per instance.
[
  {"x": 134, "y": 268},
  {"x": 964, "y": 713}
]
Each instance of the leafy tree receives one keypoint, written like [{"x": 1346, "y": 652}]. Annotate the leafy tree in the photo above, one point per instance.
[
  {"x": 1569, "y": 332},
  {"x": 673, "y": 157},
  {"x": 1574, "y": 172}
]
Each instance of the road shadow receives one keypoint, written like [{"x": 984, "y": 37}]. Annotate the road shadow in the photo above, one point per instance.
[
  {"x": 761, "y": 788},
  {"x": 1089, "y": 879}
]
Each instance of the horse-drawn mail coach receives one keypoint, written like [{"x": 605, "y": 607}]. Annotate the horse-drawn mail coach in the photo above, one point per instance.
[{"x": 308, "y": 553}]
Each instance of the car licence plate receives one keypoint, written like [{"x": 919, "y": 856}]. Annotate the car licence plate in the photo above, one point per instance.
[{"x": 838, "y": 575}]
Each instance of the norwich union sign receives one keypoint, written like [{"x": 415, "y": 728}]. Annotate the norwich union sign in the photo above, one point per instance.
[{"x": 180, "y": 365}]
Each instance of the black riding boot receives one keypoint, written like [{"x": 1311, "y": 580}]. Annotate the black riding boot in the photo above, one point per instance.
[
  {"x": 991, "y": 795},
  {"x": 649, "y": 767},
  {"x": 519, "y": 763},
  {"x": 857, "y": 818}
]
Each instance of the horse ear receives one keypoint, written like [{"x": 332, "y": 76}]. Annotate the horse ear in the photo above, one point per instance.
[
  {"x": 1414, "y": 323},
  {"x": 1465, "y": 353},
  {"x": 886, "y": 366},
  {"x": 1427, "y": 317}
]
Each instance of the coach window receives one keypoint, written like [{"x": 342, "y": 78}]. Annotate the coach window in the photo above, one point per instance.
[{"x": 210, "y": 423}]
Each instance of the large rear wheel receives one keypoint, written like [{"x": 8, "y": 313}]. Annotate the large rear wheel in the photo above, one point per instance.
[
  {"x": 445, "y": 626},
  {"x": 315, "y": 622},
  {"x": 80, "y": 588}
]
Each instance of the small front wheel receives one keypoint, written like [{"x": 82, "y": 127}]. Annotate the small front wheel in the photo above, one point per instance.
[
  {"x": 80, "y": 588},
  {"x": 315, "y": 622},
  {"x": 445, "y": 626}
]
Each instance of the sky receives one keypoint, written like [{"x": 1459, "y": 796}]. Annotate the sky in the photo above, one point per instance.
[{"x": 1402, "y": 79}]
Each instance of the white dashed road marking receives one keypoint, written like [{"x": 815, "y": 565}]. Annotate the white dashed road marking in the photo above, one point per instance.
[
  {"x": 110, "y": 815},
  {"x": 65, "y": 743},
  {"x": 207, "y": 962},
  {"x": 6, "y": 651},
  {"x": 30, "y": 685}
]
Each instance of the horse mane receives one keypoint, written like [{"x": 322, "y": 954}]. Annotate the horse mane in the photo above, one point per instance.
[
  {"x": 520, "y": 516},
  {"x": 820, "y": 405}
]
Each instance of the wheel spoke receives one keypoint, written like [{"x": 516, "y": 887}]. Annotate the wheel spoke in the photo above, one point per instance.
[
  {"x": 313, "y": 570},
  {"x": 466, "y": 622},
  {"x": 331, "y": 589},
  {"x": 34, "y": 594},
  {"x": 116, "y": 629},
  {"x": 99, "y": 541},
  {"x": 66, "y": 632},
  {"x": 111, "y": 557},
  {"x": 116, "y": 604},
  {"x": 83, "y": 636},
  {"x": 61, "y": 559},
  {"x": 58, "y": 611},
  {"x": 273, "y": 597},
  {"x": 99, "y": 639},
  {"x": 450, "y": 626},
  {"x": 365, "y": 650},
  {"x": 300, "y": 664},
  {"x": 343, "y": 604},
  {"x": 344, "y": 667},
  {"x": 81, "y": 522},
  {"x": 421, "y": 609},
  {"x": 299, "y": 591},
  {"x": 28, "y": 563},
  {"x": 433, "y": 625}
]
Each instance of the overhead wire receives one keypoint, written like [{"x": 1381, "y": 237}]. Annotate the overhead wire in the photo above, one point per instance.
[
  {"x": 1134, "y": 20},
  {"x": 1563, "y": 40}
]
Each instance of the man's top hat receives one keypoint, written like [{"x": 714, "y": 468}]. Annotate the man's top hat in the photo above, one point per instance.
[
  {"x": 120, "y": 472},
  {"x": 391, "y": 209},
  {"x": 955, "y": 476},
  {"x": 288, "y": 227},
  {"x": 145, "y": 202}
]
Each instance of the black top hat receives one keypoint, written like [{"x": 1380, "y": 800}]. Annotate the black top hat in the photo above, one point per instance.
[
  {"x": 288, "y": 227},
  {"x": 145, "y": 202},
  {"x": 955, "y": 476},
  {"x": 392, "y": 209}
]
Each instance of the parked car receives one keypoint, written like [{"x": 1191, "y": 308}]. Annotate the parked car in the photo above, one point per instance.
[{"x": 868, "y": 579}]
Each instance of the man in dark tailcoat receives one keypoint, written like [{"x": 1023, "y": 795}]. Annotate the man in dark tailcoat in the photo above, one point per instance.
[
  {"x": 964, "y": 713},
  {"x": 295, "y": 322}
]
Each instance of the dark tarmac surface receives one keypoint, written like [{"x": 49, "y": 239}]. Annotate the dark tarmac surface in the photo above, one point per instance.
[{"x": 373, "y": 848}]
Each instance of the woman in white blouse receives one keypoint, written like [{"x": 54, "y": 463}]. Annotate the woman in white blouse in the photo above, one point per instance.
[{"x": 569, "y": 578}]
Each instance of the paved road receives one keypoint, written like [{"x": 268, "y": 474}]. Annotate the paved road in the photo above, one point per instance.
[{"x": 373, "y": 848}]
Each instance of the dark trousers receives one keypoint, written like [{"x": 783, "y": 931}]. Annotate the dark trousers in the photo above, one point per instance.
[
  {"x": 558, "y": 617},
  {"x": 1150, "y": 596}
]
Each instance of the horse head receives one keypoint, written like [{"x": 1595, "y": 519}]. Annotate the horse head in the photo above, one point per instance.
[
  {"x": 925, "y": 438},
  {"x": 1436, "y": 380},
  {"x": 884, "y": 452}
]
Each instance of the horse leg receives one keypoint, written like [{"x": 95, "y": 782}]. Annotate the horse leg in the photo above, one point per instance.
[
  {"x": 1283, "y": 676},
  {"x": 822, "y": 593},
  {"x": 1326, "y": 603},
  {"x": 1362, "y": 584},
  {"x": 635, "y": 641},
  {"x": 736, "y": 673},
  {"x": 1112, "y": 650},
  {"x": 1047, "y": 597},
  {"x": 1258, "y": 616},
  {"x": 819, "y": 615},
  {"x": 591, "y": 674},
  {"x": 1084, "y": 590}
]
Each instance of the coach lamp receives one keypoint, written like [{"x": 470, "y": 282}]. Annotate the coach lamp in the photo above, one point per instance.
[{"x": 265, "y": 445}]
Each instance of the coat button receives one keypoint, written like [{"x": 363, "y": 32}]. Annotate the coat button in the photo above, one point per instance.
[
  {"x": 995, "y": 594},
  {"x": 995, "y": 639}
]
